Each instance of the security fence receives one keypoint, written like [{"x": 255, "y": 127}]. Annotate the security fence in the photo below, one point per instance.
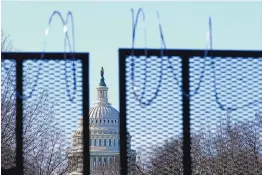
[
  {"x": 191, "y": 111},
  {"x": 181, "y": 111},
  {"x": 43, "y": 95}
]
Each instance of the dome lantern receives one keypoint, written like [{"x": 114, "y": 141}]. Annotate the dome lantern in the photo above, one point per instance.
[{"x": 102, "y": 98}]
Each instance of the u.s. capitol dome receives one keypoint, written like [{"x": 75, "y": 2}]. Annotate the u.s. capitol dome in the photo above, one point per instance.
[{"x": 104, "y": 137}]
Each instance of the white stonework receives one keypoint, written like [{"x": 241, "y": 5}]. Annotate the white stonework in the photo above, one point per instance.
[{"x": 104, "y": 137}]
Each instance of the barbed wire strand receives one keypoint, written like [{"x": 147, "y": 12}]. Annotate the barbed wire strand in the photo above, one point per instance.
[
  {"x": 66, "y": 41},
  {"x": 71, "y": 97},
  {"x": 213, "y": 65},
  {"x": 163, "y": 43},
  {"x": 134, "y": 25},
  {"x": 202, "y": 74},
  {"x": 172, "y": 68},
  {"x": 140, "y": 99},
  {"x": 72, "y": 51}
]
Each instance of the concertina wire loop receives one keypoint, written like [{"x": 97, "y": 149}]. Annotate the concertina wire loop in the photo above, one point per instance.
[
  {"x": 140, "y": 99},
  {"x": 219, "y": 103},
  {"x": 213, "y": 67},
  {"x": 72, "y": 51},
  {"x": 221, "y": 106},
  {"x": 163, "y": 44}
]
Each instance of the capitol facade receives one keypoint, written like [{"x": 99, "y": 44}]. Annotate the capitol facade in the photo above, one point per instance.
[{"x": 104, "y": 138}]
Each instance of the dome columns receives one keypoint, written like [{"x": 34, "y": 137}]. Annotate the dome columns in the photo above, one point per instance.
[
  {"x": 102, "y": 89},
  {"x": 102, "y": 94}
]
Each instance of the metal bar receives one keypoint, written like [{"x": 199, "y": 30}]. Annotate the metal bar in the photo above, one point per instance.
[
  {"x": 122, "y": 110},
  {"x": 85, "y": 76},
  {"x": 141, "y": 52},
  {"x": 37, "y": 55},
  {"x": 192, "y": 53},
  {"x": 186, "y": 118},
  {"x": 19, "y": 117}
]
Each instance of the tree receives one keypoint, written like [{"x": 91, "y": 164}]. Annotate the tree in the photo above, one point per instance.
[
  {"x": 236, "y": 148},
  {"x": 136, "y": 162},
  {"x": 6, "y": 43},
  {"x": 43, "y": 143},
  {"x": 109, "y": 168}
]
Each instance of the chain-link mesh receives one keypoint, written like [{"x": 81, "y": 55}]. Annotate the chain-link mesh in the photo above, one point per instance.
[
  {"x": 55, "y": 90},
  {"x": 50, "y": 118},
  {"x": 227, "y": 141},
  {"x": 225, "y": 115},
  {"x": 154, "y": 128},
  {"x": 8, "y": 113}
]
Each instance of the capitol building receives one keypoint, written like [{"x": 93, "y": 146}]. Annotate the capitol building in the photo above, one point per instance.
[{"x": 104, "y": 138}]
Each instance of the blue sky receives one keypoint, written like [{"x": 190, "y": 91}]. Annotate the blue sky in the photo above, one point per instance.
[{"x": 103, "y": 27}]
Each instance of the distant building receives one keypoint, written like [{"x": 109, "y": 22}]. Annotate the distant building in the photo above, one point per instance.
[{"x": 104, "y": 138}]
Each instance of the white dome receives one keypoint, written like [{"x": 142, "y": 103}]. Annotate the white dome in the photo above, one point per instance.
[
  {"x": 103, "y": 112},
  {"x": 103, "y": 119}
]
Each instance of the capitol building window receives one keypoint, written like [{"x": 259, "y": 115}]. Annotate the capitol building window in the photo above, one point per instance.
[{"x": 104, "y": 142}]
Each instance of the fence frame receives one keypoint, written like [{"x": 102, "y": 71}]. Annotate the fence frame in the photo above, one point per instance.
[
  {"x": 19, "y": 57},
  {"x": 184, "y": 54}
]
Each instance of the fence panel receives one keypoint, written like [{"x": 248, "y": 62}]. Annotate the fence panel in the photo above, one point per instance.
[
  {"x": 190, "y": 111},
  {"x": 54, "y": 97}
]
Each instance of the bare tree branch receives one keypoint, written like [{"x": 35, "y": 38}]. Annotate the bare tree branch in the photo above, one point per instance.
[{"x": 44, "y": 150}]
